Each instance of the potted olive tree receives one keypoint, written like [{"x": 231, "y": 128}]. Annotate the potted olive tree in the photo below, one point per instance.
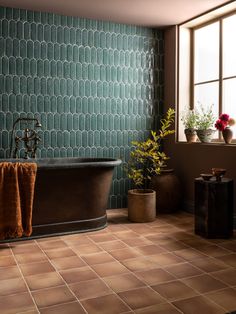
[
  {"x": 189, "y": 120},
  {"x": 146, "y": 160},
  {"x": 205, "y": 123}
]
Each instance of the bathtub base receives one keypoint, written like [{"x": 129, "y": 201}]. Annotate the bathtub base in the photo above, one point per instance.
[{"x": 78, "y": 226}]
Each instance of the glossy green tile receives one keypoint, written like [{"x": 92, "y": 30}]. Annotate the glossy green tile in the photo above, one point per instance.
[
  {"x": 53, "y": 138},
  {"x": 26, "y": 67},
  {"x": 63, "y": 53},
  {"x": 33, "y": 104},
  {"x": 81, "y": 77}
]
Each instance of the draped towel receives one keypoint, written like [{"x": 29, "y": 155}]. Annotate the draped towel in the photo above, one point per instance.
[{"x": 17, "y": 181}]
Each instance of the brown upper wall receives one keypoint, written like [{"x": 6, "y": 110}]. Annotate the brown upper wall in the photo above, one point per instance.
[{"x": 189, "y": 160}]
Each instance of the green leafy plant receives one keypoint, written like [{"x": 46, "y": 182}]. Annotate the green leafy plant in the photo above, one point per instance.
[
  {"x": 189, "y": 118},
  {"x": 205, "y": 118},
  {"x": 147, "y": 159}
]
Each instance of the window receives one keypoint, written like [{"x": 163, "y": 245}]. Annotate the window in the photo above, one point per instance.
[
  {"x": 214, "y": 66},
  {"x": 207, "y": 67}
]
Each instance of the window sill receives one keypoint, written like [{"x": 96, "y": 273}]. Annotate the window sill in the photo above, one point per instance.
[{"x": 207, "y": 144}]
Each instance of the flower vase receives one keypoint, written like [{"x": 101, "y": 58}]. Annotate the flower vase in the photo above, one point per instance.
[{"x": 227, "y": 135}]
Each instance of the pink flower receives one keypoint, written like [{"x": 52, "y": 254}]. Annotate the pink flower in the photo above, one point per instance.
[
  {"x": 224, "y": 117},
  {"x": 220, "y": 124}
]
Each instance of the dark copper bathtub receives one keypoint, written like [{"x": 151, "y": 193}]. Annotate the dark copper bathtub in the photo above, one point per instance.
[{"x": 71, "y": 194}]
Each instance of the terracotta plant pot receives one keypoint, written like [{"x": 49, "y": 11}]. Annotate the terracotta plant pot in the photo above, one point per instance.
[
  {"x": 168, "y": 191},
  {"x": 191, "y": 135},
  {"x": 227, "y": 135},
  {"x": 141, "y": 205}
]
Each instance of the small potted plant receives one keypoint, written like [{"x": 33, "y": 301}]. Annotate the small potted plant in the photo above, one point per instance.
[
  {"x": 223, "y": 124},
  {"x": 205, "y": 123},
  {"x": 189, "y": 120},
  {"x": 146, "y": 160}
]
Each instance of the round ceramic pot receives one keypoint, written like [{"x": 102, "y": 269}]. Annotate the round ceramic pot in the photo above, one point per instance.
[
  {"x": 191, "y": 135},
  {"x": 227, "y": 135},
  {"x": 168, "y": 191},
  {"x": 205, "y": 136},
  {"x": 141, "y": 205}
]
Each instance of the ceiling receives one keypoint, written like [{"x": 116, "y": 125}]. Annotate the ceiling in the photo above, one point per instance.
[{"x": 153, "y": 13}]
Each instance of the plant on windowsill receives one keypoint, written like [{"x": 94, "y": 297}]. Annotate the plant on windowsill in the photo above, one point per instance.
[
  {"x": 146, "y": 161},
  {"x": 189, "y": 120},
  {"x": 205, "y": 123},
  {"x": 223, "y": 124}
]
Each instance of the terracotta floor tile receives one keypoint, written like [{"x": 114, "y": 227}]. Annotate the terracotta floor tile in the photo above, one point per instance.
[
  {"x": 30, "y": 258},
  {"x": 123, "y": 282},
  {"x": 174, "y": 290},
  {"x": 204, "y": 283},
  {"x": 153, "y": 276},
  {"x": 228, "y": 276},
  {"x": 136, "y": 241},
  {"x": 117, "y": 227},
  {"x": 183, "y": 270},
  {"x": 86, "y": 249},
  {"x": 213, "y": 250},
  {"x": 198, "y": 305},
  {"x": 98, "y": 258},
  {"x": 5, "y": 250},
  {"x": 189, "y": 254},
  {"x": 172, "y": 246},
  {"x": 140, "y": 229},
  {"x": 229, "y": 259},
  {"x": 225, "y": 298},
  {"x": 27, "y": 248},
  {"x": 150, "y": 249},
  {"x": 36, "y": 268},
  {"x": 70, "y": 308},
  {"x": 123, "y": 235},
  {"x": 109, "y": 304},
  {"x": 124, "y": 258},
  {"x": 111, "y": 269},
  {"x": 209, "y": 264},
  {"x": 141, "y": 297},
  {"x": 112, "y": 245},
  {"x": 52, "y": 296},
  {"x": 77, "y": 239},
  {"x": 12, "y": 286},
  {"x": 125, "y": 253},
  {"x": 62, "y": 252},
  {"x": 180, "y": 235},
  {"x": 139, "y": 263},
  {"x": 229, "y": 245},
  {"x": 195, "y": 242},
  {"x": 42, "y": 281},
  {"x": 102, "y": 238},
  {"x": 68, "y": 262},
  {"x": 9, "y": 272},
  {"x": 16, "y": 303},
  {"x": 165, "y": 308},
  {"x": 78, "y": 274},
  {"x": 6, "y": 261},
  {"x": 52, "y": 244},
  {"x": 90, "y": 289},
  {"x": 165, "y": 259}
]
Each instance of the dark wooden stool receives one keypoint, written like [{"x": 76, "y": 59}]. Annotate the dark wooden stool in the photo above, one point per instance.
[{"x": 214, "y": 208}]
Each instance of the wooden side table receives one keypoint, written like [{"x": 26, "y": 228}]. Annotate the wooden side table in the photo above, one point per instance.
[{"x": 214, "y": 208}]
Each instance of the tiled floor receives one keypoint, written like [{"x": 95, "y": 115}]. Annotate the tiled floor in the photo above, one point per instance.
[{"x": 159, "y": 267}]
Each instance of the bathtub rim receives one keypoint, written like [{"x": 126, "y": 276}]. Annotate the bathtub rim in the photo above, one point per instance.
[{"x": 69, "y": 162}]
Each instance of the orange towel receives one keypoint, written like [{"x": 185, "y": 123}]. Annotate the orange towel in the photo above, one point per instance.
[{"x": 17, "y": 182}]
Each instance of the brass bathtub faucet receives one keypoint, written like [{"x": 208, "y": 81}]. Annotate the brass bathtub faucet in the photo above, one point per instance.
[{"x": 30, "y": 139}]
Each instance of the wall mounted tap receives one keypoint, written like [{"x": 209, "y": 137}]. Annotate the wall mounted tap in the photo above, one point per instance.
[{"x": 30, "y": 139}]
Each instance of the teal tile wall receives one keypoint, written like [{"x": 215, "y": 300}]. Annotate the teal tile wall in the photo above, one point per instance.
[{"x": 94, "y": 85}]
